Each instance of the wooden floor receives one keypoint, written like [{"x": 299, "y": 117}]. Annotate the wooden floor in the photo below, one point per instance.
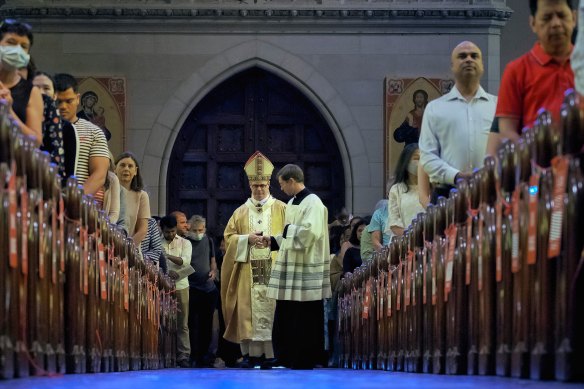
[{"x": 273, "y": 379}]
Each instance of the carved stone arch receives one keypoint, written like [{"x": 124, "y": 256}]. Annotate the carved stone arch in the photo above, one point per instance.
[{"x": 256, "y": 53}]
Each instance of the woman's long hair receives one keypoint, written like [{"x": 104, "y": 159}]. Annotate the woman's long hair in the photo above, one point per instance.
[
  {"x": 401, "y": 170},
  {"x": 353, "y": 239},
  {"x": 137, "y": 184}
]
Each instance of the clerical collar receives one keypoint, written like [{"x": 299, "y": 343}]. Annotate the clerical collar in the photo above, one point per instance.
[{"x": 300, "y": 196}]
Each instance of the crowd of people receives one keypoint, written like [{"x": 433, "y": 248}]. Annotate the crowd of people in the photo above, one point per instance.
[
  {"x": 456, "y": 131},
  {"x": 273, "y": 278}
]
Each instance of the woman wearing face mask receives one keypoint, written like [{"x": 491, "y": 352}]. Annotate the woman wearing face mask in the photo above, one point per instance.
[
  {"x": 404, "y": 202},
  {"x": 25, "y": 101},
  {"x": 137, "y": 202}
]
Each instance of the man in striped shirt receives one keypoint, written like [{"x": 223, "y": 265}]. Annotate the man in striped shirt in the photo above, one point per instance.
[
  {"x": 91, "y": 151},
  {"x": 151, "y": 246}
]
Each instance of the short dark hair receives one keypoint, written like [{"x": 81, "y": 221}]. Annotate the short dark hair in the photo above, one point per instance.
[
  {"x": 64, "y": 81},
  {"x": 533, "y": 5},
  {"x": 17, "y": 27},
  {"x": 137, "y": 184},
  {"x": 291, "y": 171},
  {"x": 168, "y": 221},
  {"x": 353, "y": 239}
]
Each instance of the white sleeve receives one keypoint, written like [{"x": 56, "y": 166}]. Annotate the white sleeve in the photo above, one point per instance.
[
  {"x": 577, "y": 60},
  {"x": 438, "y": 170}
]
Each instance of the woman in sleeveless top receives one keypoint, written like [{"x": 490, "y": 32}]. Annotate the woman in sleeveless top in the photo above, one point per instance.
[
  {"x": 137, "y": 210},
  {"x": 25, "y": 101}
]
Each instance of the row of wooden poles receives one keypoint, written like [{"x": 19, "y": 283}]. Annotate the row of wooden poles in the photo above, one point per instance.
[
  {"x": 75, "y": 295},
  {"x": 489, "y": 281}
]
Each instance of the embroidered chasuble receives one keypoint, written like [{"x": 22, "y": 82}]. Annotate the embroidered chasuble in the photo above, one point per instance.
[{"x": 245, "y": 272}]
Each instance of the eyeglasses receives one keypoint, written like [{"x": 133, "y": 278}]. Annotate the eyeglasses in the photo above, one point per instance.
[{"x": 12, "y": 22}]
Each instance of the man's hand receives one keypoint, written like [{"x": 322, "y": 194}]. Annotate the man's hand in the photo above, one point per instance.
[
  {"x": 256, "y": 239},
  {"x": 213, "y": 274},
  {"x": 267, "y": 241},
  {"x": 173, "y": 275},
  {"x": 462, "y": 176}
]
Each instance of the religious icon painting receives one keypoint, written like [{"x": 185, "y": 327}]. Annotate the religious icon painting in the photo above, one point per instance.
[
  {"x": 103, "y": 102},
  {"x": 405, "y": 101}
]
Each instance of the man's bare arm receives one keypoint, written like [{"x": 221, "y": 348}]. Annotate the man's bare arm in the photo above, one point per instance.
[
  {"x": 174, "y": 259},
  {"x": 213, "y": 272},
  {"x": 98, "y": 167},
  {"x": 376, "y": 239}
]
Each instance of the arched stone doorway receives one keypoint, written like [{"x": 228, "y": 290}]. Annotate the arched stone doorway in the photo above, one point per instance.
[{"x": 252, "y": 110}]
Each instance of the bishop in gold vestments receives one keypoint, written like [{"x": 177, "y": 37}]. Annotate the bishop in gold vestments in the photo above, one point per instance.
[{"x": 247, "y": 263}]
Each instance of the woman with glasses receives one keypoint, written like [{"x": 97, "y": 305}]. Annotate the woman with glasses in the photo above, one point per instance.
[{"x": 25, "y": 101}]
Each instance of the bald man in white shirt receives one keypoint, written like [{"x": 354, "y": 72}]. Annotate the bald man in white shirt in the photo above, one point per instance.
[{"x": 455, "y": 127}]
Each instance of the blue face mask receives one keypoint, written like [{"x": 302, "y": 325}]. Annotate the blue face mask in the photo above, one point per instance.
[{"x": 13, "y": 57}]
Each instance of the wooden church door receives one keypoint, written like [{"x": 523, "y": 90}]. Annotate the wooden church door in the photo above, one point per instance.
[{"x": 253, "y": 110}]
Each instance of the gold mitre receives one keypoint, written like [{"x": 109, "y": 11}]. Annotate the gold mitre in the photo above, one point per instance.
[{"x": 258, "y": 168}]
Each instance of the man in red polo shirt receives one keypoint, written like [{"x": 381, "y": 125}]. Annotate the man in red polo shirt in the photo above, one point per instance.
[{"x": 539, "y": 78}]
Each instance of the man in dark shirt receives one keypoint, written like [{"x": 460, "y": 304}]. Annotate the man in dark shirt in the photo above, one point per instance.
[{"x": 203, "y": 293}]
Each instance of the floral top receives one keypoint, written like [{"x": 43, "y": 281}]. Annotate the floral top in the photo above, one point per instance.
[{"x": 53, "y": 134}]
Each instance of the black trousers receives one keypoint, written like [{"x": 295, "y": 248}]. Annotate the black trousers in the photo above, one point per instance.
[
  {"x": 298, "y": 333},
  {"x": 201, "y": 309}
]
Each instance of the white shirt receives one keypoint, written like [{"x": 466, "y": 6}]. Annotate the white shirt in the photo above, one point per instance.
[
  {"x": 454, "y": 134},
  {"x": 577, "y": 60},
  {"x": 403, "y": 206},
  {"x": 179, "y": 247}
]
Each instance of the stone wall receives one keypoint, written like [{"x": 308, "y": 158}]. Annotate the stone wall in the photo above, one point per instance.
[{"x": 336, "y": 53}]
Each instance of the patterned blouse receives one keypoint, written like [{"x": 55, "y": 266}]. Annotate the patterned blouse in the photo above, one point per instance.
[{"x": 53, "y": 134}]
